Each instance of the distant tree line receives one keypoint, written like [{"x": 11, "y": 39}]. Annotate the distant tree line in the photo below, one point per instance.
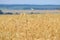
[{"x": 1, "y": 12}]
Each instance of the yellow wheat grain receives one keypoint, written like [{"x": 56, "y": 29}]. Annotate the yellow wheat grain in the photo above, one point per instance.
[{"x": 30, "y": 27}]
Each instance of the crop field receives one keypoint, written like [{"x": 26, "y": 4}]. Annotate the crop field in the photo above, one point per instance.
[{"x": 30, "y": 27}]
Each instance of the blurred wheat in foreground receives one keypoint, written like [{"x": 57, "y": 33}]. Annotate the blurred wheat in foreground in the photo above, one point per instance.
[{"x": 30, "y": 27}]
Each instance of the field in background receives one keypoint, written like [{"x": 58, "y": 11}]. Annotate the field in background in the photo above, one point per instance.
[{"x": 30, "y": 27}]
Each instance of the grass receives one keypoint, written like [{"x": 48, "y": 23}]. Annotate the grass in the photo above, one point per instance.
[{"x": 30, "y": 27}]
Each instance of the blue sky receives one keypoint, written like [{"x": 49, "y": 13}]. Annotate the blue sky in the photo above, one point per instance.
[{"x": 38, "y": 2}]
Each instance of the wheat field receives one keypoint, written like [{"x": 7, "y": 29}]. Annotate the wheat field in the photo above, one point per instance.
[{"x": 30, "y": 27}]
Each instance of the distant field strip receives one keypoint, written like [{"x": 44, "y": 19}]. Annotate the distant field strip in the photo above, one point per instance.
[{"x": 30, "y": 27}]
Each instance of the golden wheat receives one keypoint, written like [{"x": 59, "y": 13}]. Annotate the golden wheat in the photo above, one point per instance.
[{"x": 30, "y": 27}]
